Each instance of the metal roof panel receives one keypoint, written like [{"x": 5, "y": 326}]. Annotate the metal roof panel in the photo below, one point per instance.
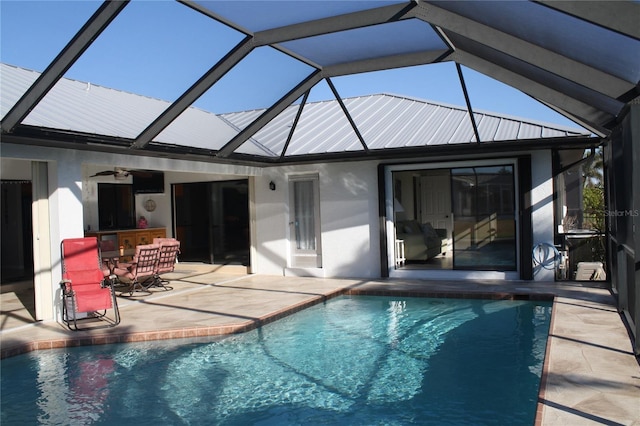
[
  {"x": 391, "y": 121},
  {"x": 385, "y": 121},
  {"x": 84, "y": 107}
]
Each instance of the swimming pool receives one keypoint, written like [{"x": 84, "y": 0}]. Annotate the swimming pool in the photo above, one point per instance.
[{"x": 358, "y": 360}]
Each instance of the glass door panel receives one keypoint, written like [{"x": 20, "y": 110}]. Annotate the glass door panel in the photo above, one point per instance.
[
  {"x": 212, "y": 221},
  {"x": 305, "y": 222},
  {"x": 484, "y": 236},
  {"x": 305, "y": 236}
]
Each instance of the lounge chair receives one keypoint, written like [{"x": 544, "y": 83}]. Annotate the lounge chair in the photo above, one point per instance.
[
  {"x": 87, "y": 287},
  {"x": 169, "y": 250},
  {"x": 590, "y": 271},
  {"x": 141, "y": 272}
]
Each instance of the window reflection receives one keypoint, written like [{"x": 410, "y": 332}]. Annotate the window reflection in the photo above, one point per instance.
[{"x": 484, "y": 219}]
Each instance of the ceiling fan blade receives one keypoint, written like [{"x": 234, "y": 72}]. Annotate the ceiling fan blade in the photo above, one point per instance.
[
  {"x": 123, "y": 173},
  {"x": 105, "y": 173}
]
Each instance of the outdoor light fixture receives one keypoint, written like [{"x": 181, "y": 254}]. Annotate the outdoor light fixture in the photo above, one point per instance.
[{"x": 272, "y": 186}]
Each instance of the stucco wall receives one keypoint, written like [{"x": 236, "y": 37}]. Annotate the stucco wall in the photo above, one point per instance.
[
  {"x": 349, "y": 217},
  {"x": 348, "y": 212},
  {"x": 348, "y": 207}
]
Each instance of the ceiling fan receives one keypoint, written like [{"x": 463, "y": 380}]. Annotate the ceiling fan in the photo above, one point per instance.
[{"x": 120, "y": 173}]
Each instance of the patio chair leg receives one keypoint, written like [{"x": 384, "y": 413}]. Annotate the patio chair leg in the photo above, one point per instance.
[
  {"x": 69, "y": 318},
  {"x": 159, "y": 282},
  {"x": 116, "y": 309},
  {"x": 136, "y": 286}
]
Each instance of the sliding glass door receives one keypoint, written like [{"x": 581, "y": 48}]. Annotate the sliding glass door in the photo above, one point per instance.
[
  {"x": 484, "y": 225},
  {"x": 212, "y": 221},
  {"x": 460, "y": 218}
]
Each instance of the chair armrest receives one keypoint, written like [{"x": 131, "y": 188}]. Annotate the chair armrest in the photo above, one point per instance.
[
  {"x": 119, "y": 264},
  {"x": 65, "y": 285},
  {"x": 125, "y": 269},
  {"x": 442, "y": 233},
  {"x": 108, "y": 281},
  {"x": 130, "y": 266}
]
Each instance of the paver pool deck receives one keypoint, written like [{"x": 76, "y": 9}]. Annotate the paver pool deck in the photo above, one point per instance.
[{"x": 590, "y": 376}]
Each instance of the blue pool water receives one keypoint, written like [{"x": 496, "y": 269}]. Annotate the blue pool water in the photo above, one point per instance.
[{"x": 351, "y": 361}]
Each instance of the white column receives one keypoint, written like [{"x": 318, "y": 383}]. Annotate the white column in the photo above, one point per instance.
[
  {"x": 66, "y": 219},
  {"x": 542, "y": 207}
]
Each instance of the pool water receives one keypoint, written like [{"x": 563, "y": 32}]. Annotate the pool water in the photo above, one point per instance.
[{"x": 351, "y": 361}]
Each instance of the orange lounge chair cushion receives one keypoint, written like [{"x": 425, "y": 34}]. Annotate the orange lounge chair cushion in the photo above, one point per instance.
[
  {"x": 93, "y": 299},
  {"x": 89, "y": 295}
]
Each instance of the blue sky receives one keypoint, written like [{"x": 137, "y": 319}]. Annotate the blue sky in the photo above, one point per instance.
[{"x": 159, "y": 48}]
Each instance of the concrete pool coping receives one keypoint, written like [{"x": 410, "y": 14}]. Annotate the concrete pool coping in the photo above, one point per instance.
[{"x": 590, "y": 375}]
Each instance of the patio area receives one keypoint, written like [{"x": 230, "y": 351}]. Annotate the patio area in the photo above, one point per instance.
[{"x": 591, "y": 375}]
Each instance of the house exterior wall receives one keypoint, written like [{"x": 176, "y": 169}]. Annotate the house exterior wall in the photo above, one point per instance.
[
  {"x": 348, "y": 214},
  {"x": 349, "y": 209},
  {"x": 349, "y": 221}
]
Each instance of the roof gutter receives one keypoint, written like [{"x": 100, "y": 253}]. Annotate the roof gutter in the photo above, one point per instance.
[{"x": 37, "y": 136}]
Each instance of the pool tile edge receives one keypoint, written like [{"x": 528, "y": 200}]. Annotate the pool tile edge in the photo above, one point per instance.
[{"x": 167, "y": 334}]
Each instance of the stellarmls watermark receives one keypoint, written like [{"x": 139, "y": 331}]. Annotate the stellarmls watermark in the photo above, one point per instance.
[{"x": 620, "y": 213}]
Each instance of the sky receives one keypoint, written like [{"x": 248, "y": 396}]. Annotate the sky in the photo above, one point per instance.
[{"x": 159, "y": 48}]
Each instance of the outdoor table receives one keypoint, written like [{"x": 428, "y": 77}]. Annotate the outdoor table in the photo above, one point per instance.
[{"x": 112, "y": 257}]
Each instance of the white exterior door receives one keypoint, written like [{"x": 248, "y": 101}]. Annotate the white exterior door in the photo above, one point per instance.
[{"x": 304, "y": 222}]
